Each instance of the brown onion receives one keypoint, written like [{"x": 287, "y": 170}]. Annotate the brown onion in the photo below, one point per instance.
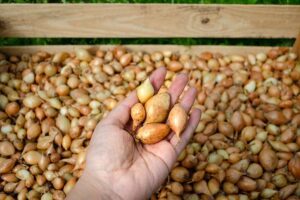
[
  {"x": 157, "y": 108},
  {"x": 12, "y": 108},
  {"x": 66, "y": 142},
  {"x": 197, "y": 176},
  {"x": 201, "y": 188},
  {"x": 226, "y": 129},
  {"x": 268, "y": 159},
  {"x": 174, "y": 66},
  {"x": 287, "y": 191},
  {"x": 177, "y": 188},
  {"x": 152, "y": 133},
  {"x": 279, "y": 146},
  {"x": 230, "y": 188},
  {"x": 237, "y": 121},
  {"x": 275, "y": 117},
  {"x": 288, "y": 135},
  {"x": 138, "y": 115},
  {"x": 177, "y": 119},
  {"x": 125, "y": 59},
  {"x": 254, "y": 170},
  {"x": 58, "y": 183},
  {"x": 32, "y": 157},
  {"x": 248, "y": 133},
  {"x": 213, "y": 186},
  {"x": 44, "y": 142},
  {"x": 246, "y": 184},
  {"x": 6, "y": 148},
  {"x": 180, "y": 174},
  {"x": 6, "y": 165},
  {"x": 190, "y": 161},
  {"x": 232, "y": 175},
  {"x": 34, "y": 131},
  {"x": 294, "y": 165}
]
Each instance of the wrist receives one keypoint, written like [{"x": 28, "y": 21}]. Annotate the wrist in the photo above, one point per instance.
[{"x": 91, "y": 187}]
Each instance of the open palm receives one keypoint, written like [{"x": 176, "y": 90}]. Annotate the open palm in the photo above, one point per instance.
[{"x": 132, "y": 170}]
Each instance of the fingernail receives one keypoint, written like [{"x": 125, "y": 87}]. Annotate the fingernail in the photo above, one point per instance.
[{"x": 197, "y": 111}]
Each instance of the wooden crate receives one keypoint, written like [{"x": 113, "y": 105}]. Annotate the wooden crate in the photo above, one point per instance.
[{"x": 148, "y": 20}]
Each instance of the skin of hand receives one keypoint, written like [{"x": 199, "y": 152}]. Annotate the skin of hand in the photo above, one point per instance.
[{"x": 119, "y": 168}]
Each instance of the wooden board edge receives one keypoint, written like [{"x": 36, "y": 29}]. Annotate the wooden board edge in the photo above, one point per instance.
[
  {"x": 149, "y": 20},
  {"x": 296, "y": 46},
  {"x": 192, "y": 50}
]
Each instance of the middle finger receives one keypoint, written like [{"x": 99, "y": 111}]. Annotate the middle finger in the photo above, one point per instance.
[{"x": 177, "y": 87}]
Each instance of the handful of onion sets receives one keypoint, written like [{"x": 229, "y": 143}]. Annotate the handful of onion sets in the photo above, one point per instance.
[{"x": 154, "y": 113}]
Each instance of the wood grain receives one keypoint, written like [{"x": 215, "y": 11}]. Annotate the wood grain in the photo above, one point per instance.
[
  {"x": 149, "y": 20},
  {"x": 192, "y": 50}
]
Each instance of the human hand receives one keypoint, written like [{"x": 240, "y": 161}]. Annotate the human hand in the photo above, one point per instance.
[{"x": 119, "y": 168}]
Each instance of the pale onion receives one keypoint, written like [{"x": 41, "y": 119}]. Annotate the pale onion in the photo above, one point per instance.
[
  {"x": 32, "y": 101},
  {"x": 69, "y": 185},
  {"x": 82, "y": 54},
  {"x": 145, "y": 91},
  {"x": 23, "y": 174},
  {"x": 32, "y": 157},
  {"x": 63, "y": 123}
]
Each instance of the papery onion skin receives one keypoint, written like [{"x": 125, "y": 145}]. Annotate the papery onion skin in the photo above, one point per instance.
[
  {"x": 145, "y": 91},
  {"x": 177, "y": 119},
  {"x": 83, "y": 54},
  {"x": 6, "y": 148},
  {"x": 138, "y": 115},
  {"x": 276, "y": 117},
  {"x": 268, "y": 159},
  {"x": 32, "y": 157},
  {"x": 6, "y": 165},
  {"x": 157, "y": 108},
  {"x": 12, "y": 108},
  {"x": 32, "y": 101},
  {"x": 294, "y": 165},
  {"x": 152, "y": 133},
  {"x": 247, "y": 184},
  {"x": 180, "y": 174},
  {"x": 63, "y": 123},
  {"x": 237, "y": 121}
]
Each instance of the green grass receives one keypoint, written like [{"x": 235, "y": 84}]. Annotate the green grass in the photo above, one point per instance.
[{"x": 179, "y": 41}]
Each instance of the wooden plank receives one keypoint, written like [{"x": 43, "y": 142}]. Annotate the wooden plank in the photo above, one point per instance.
[
  {"x": 149, "y": 20},
  {"x": 296, "y": 47},
  {"x": 192, "y": 50}
]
